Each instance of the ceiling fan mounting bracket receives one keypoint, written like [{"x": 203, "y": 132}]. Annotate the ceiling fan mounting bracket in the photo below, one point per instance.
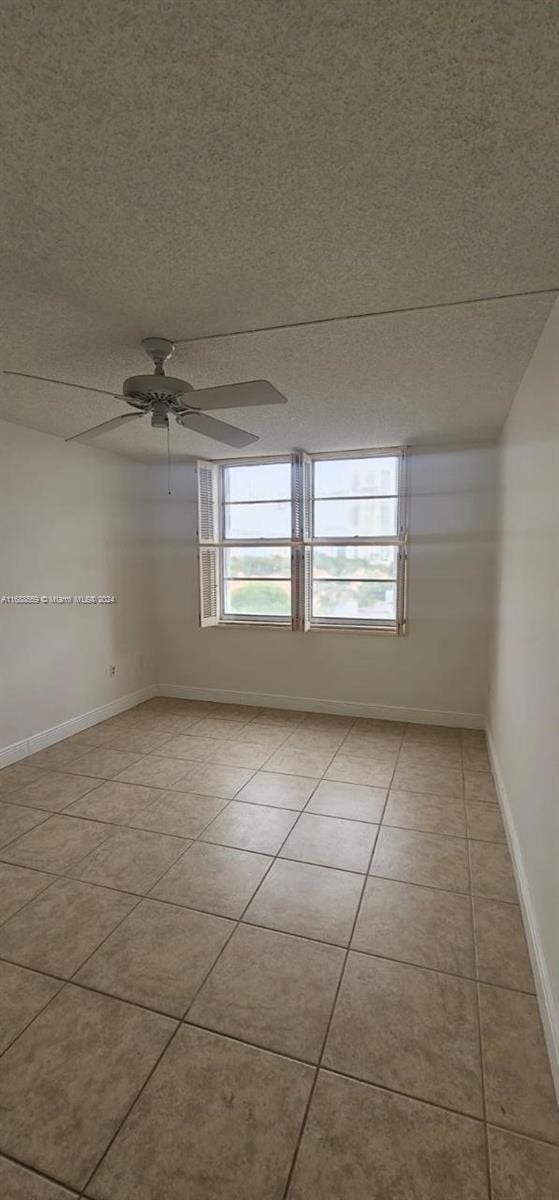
[
  {"x": 159, "y": 350},
  {"x": 164, "y": 395}
]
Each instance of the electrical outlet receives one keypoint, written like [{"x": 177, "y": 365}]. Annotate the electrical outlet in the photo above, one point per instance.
[{"x": 112, "y": 669}]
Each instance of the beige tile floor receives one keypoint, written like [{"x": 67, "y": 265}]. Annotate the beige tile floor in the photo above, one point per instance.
[{"x": 265, "y": 954}]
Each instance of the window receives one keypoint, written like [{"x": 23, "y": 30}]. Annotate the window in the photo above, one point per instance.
[{"x": 306, "y": 541}]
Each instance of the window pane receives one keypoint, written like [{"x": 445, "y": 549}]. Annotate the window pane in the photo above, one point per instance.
[
  {"x": 355, "y": 518},
  {"x": 356, "y": 477},
  {"x": 265, "y": 481},
  {"x": 354, "y": 601},
  {"x": 355, "y": 562},
  {"x": 246, "y": 562},
  {"x": 257, "y": 598},
  {"x": 271, "y": 520}
]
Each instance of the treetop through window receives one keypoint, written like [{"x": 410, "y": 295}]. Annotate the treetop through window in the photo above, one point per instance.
[{"x": 307, "y": 542}]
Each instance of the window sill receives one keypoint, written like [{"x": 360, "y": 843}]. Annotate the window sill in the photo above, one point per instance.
[
  {"x": 378, "y": 630},
  {"x": 229, "y": 623}
]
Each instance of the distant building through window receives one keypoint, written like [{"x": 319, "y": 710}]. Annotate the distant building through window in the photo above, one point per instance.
[{"x": 309, "y": 541}]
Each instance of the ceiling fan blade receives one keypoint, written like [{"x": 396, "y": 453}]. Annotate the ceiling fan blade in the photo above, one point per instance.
[
  {"x": 237, "y": 395},
  {"x": 219, "y": 430},
  {"x": 115, "y": 423},
  {"x": 63, "y": 383}
]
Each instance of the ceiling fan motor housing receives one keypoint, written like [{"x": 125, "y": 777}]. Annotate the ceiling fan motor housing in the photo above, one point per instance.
[{"x": 143, "y": 391}]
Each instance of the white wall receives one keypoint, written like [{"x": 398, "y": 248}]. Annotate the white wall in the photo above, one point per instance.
[
  {"x": 437, "y": 672},
  {"x": 73, "y": 520},
  {"x": 524, "y": 704}
]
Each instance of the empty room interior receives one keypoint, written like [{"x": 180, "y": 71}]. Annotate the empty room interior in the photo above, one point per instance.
[{"x": 279, "y": 667}]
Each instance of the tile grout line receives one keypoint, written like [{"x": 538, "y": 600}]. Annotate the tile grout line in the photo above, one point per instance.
[
  {"x": 293, "y": 1165},
  {"x": 477, "y": 1001},
  {"x": 240, "y": 921},
  {"x": 181, "y": 1021},
  {"x": 40, "y": 1174}
]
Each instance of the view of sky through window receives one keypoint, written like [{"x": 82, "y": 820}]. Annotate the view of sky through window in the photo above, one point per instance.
[{"x": 352, "y": 499}]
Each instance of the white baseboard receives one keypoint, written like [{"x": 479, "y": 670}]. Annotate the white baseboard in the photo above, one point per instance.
[
  {"x": 47, "y": 737},
  {"x": 345, "y": 708},
  {"x": 548, "y": 1009}
]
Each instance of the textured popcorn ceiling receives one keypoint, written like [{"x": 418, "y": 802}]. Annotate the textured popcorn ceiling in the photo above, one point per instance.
[{"x": 187, "y": 168}]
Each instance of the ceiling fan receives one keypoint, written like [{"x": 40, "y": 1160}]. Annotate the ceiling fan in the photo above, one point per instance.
[{"x": 163, "y": 396}]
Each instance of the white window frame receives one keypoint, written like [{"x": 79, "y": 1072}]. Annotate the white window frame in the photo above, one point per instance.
[{"x": 212, "y": 544}]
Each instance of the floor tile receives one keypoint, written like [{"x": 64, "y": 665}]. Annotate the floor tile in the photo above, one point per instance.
[
  {"x": 15, "y": 820},
  {"x": 208, "y": 780},
  {"x": 522, "y": 1169},
  {"x": 131, "y": 860},
  {"x": 213, "y": 727},
  {"x": 437, "y": 781},
  {"x": 268, "y": 736},
  {"x": 215, "y": 879},
  {"x": 485, "y": 822},
  {"x": 212, "y": 750},
  {"x": 363, "y": 742},
  {"x": 479, "y": 786},
  {"x": 271, "y": 989},
  {"x": 55, "y": 758},
  {"x": 17, "y": 776},
  {"x": 54, "y": 790},
  {"x": 18, "y": 1183},
  {"x": 473, "y": 737},
  {"x": 331, "y": 842},
  {"x": 170, "y": 724},
  {"x": 475, "y": 758},
  {"x": 362, "y": 1143},
  {"x": 104, "y": 763},
  {"x": 93, "y": 1054},
  {"x": 251, "y": 827},
  {"x": 430, "y": 754},
  {"x": 518, "y": 1085},
  {"x": 408, "y": 1029},
  {"x": 366, "y": 745},
  {"x": 17, "y": 886},
  {"x": 354, "y": 801},
  {"x": 248, "y": 1106},
  {"x": 492, "y": 873},
  {"x": 314, "y": 902},
  {"x": 322, "y": 740},
  {"x": 279, "y": 718},
  {"x": 56, "y": 844},
  {"x": 22, "y": 995},
  {"x": 235, "y": 712},
  {"x": 279, "y": 791},
  {"x": 372, "y": 727},
  {"x": 157, "y": 957},
  {"x": 374, "y": 771},
  {"x": 138, "y": 741},
  {"x": 326, "y": 722},
  {"x": 57, "y": 930},
  {"x": 436, "y": 735},
  {"x": 87, "y": 737},
  {"x": 153, "y": 809},
  {"x": 311, "y": 763},
  {"x": 154, "y": 771},
  {"x": 424, "y": 858},
  {"x": 502, "y": 953},
  {"x": 429, "y": 814},
  {"x": 425, "y": 926},
  {"x": 115, "y": 803}
]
